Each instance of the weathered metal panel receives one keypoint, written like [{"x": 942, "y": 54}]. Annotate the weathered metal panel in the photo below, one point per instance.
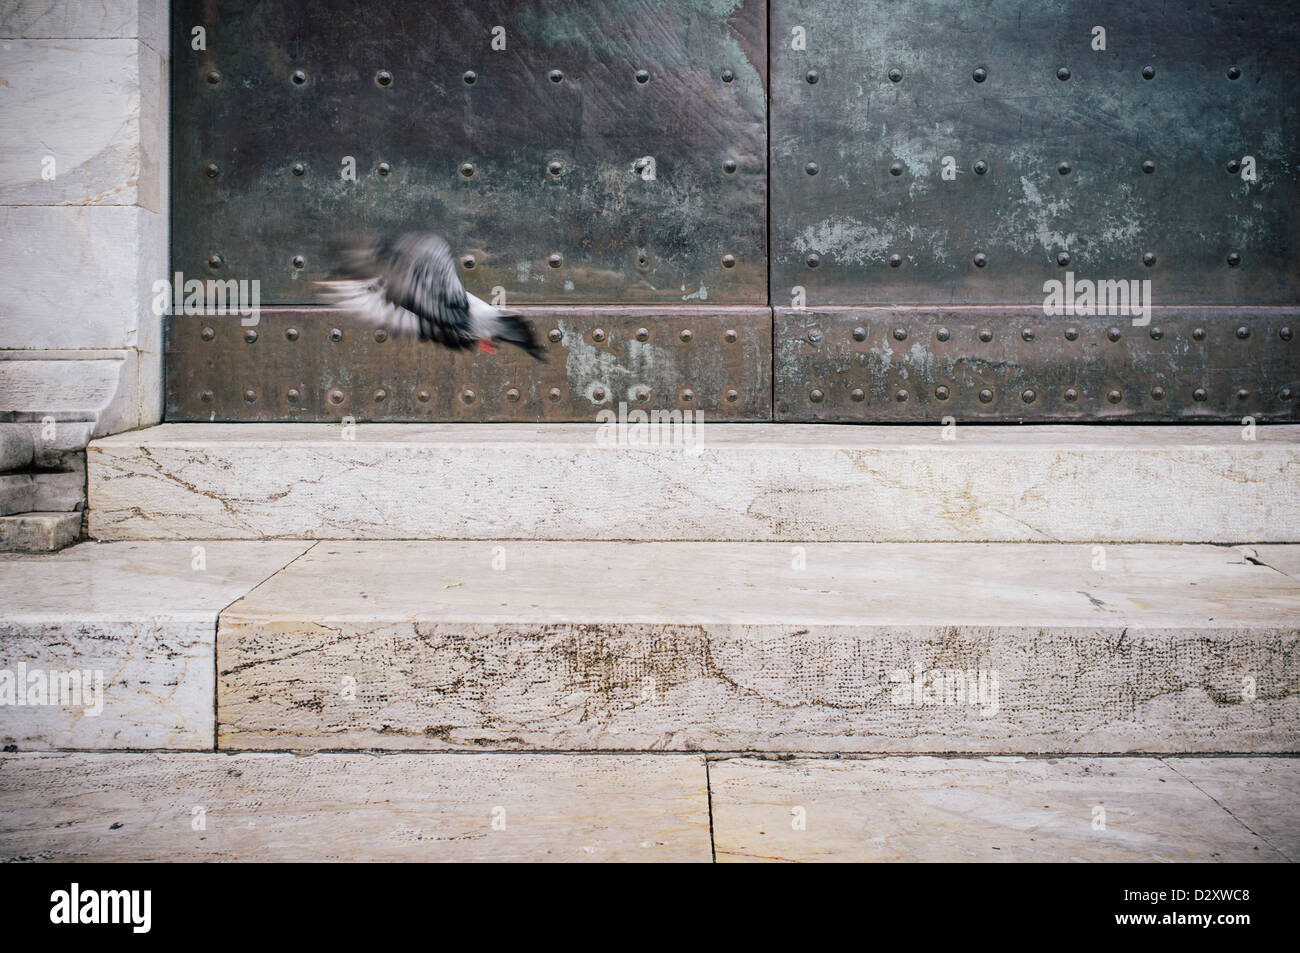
[
  {"x": 1128, "y": 159},
  {"x": 313, "y": 364},
  {"x": 980, "y": 363},
  {"x": 610, "y": 152}
]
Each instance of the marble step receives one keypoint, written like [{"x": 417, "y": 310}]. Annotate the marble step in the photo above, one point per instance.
[
  {"x": 755, "y": 482},
  {"x": 833, "y": 647},
  {"x": 643, "y": 807}
]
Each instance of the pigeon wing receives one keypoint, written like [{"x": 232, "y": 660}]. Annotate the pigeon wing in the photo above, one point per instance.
[{"x": 410, "y": 286}]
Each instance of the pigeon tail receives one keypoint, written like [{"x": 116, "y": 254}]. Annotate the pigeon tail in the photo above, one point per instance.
[{"x": 513, "y": 329}]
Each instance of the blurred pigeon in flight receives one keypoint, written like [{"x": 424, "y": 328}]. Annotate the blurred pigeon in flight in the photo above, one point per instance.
[{"x": 409, "y": 285}]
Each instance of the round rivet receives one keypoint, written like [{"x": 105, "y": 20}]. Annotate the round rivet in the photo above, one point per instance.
[
  {"x": 467, "y": 261},
  {"x": 206, "y": 397},
  {"x": 555, "y": 260},
  {"x": 729, "y": 166},
  {"x": 293, "y": 395},
  {"x": 215, "y": 261},
  {"x": 1234, "y": 72},
  {"x": 900, "y": 395},
  {"x": 1071, "y": 395},
  {"x": 336, "y": 396},
  {"x": 470, "y": 77},
  {"x": 1028, "y": 395},
  {"x": 728, "y": 76},
  {"x": 816, "y": 396},
  {"x": 299, "y": 261},
  {"x": 1285, "y": 393},
  {"x": 943, "y": 334},
  {"x": 814, "y": 336},
  {"x": 980, "y": 259},
  {"x": 1233, "y": 166},
  {"x": 291, "y": 334},
  {"x": 728, "y": 261},
  {"x": 643, "y": 334},
  {"x": 1199, "y": 394},
  {"x": 250, "y": 336},
  {"x": 299, "y": 169},
  {"x": 598, "y": 394},
  {"x": 981, "y": 167},
  {"x": 555, "y": 76},
  {"x": 941, "y": 392},
  {"x": 1198, "y": 334},
  {"x": 859, "y": 334},
  {"x": 555, "y": 335},
  {"x": 298, "y": 77},
  {"x": 423, "y": 396},
  {"x": 1062, "y": 74},
  {"x": 467, "y": 396},
  {"x": 985, "y": 335},
  {"x": 467, "y": 169},
  {"x": 895, "y": 75},
  {"x": 857, "y": 395},
  {"x": 1114, "y": 396},
  {"x": 642, "y": 395},
  {"x": 896, "y": 168},
  {"x": 811, "y": 168},
  {"x": 207, "y": 334},
  {"x": 1027, "y": 334},
  {"x": 1242, "y": 394},
  {"x": 642, "y": 76},
  {"x": 214, "y": 77},
  {"x": 1112, "y": 333},
  {"x": 1148, "y": 72},
  {"x": 211, "y": 170},
  {"x": 1157, "y": 393},
  {"x": 980, "y": 75},
  {"x": 1243, "y": 332},
  {"x": 895, "y": 261},
  {"x": 1063, "y": 259},
  {"x": 642, "y": 261},
  {"x": 688, "y": 395},
  {"x": 686, "y": 335},
  {"x": 733, "y": 396},
  {"x": 811, "y": 76},
  {"x": 336, "y": 335},
  {"x": 985, "y": 396},
  {"x": 384, "y": 78},
  {"x": 380, "y": 335},
  {"x": 1149, "y": 258},
  {"x": 598, "y": 335},
  {"x": 1234, "y": 259},
  {"x": 512, "y": 394},
  {"x": 1072, "y": 334},
  {"x": 555, "y": 168},
  {"x": 1063, "y": 168},
  {"x": 730, "y": 336},
  {"x": 1284, "y": 333},
  {"x": 1148, "y": 166},
  {"x": 381, "y": 395},
  {"x": 900, "y": 334},
  {"x": 813, "y": 260},
  {"x": 383, "y": 168},
  {"x": 553, "y": 394},
  {"x": 1156, "y": 334}
]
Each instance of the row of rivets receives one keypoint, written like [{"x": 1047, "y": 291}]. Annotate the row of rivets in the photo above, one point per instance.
[
  {"x": 467, "y": 170},
  {"x": 467, "y": 395},
  {"x": 981, "y": 259},
  {"x": 980, "y": 74},
  {"x": 384, "y": 78},
  {"x": 1029, "y": 395},
  {"x": 1071, "y": 334}
]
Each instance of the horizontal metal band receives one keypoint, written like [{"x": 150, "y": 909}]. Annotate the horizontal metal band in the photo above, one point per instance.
[
  {"x": 317, "y": 364},
  {"x": 1008, "y": 363}
]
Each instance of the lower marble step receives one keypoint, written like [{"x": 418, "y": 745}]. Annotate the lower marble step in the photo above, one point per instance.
[
  {"x": 994, "y": 648},
  {"x": 646, "y": 807}
]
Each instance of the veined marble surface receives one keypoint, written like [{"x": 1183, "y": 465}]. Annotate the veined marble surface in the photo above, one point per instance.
[{"x": 143, "y": 616}]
